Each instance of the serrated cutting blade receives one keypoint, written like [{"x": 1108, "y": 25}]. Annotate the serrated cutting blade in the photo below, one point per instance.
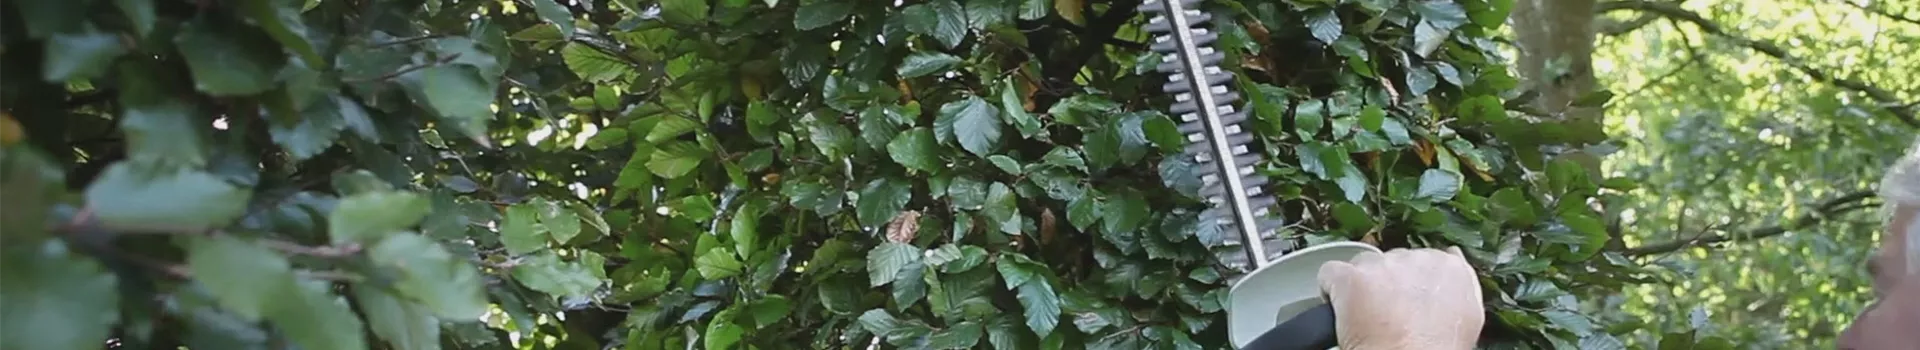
[{"x": 1203, "y": 102}]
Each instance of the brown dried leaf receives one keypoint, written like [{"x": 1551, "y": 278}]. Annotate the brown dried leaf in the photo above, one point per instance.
[
  {"x": 1047, "y": 226},
  {"x": 1425, "y": 150},
  {"x": 904, "y": 227}
]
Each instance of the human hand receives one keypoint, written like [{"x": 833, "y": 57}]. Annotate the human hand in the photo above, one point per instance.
[{"x": 1405, "y": 299}]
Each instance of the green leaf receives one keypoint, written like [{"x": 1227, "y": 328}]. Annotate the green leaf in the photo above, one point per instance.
[
  {"x": 1129, "y": 131},
  {"x": 1042, "y": 306},
  {"x": 925, "y": 62},
  {"x": 370, "y": 216},
  {"x": 910, "y": 286},
  {"x": 1372, "y": 118},
  {"x": 1421, "y": 81},
  {"x": 1065, "y": 157},
  {"x": 1620, "y": 184},
  {"x": 552, "y": 12},
  {"x": 1016, "y": 270},
  {"x": 55, "y": 299},
  {"x": 1352, "y": 217},
  {"x": 885, "y": 262},
  {"x": 1164, "y": 133},
  {"x": 1006, "y": 164},
  {"x": 1445, "y": 14},
  {"x": 674, "y": 160},
  {"x": 964, "y": 335},
  {"x": 521, "y": 232},
  {"x": 876, "y": 128},
  {"x": 944, "y": 20},
  {"x": 1483, "y": 108},
  {"x": 968, "y": 193},
  {"x": 1396, "y": 132},
  {"x": 941, "y": 256},
  {"x": 542, "y": 32},
  {"x": 915, "y": 149},
  {"x": 1596, "y": 98},
  {"x": 770, "y": 309},
  {"x": 85, "y": 55},
  {"x": 319, "y": 126},
  {"x": 591, "y": 64},
  {"x": 1003, "y": 208},
  {"x": 282, "y": 22},
  {"x": 140, "y": 14},
  {"x": 1083, "y": 212},
  {"x": 1034, "y": 10},
  {"x": 685, "y": 12},
  {"x": 1565, "y": 176},
  {"x": 560, "y": 222},
  {"x": 1102, "y": 149},
  {"x": 43, "y": 18},
  {"x": 1125, "y": 213},
  {"x": 315, "y": 319},
  {"x": 833, "y": 140},
  {"x": 229, "y": 61},
  {"x": 718, "y": 263},
  {"x": 670, "y": 127},
  {"x": 1494, "y": 15},
  {"x": 1004, "y": 333},
  {"x": 545, "y": 272},
  {"x": 723, "y": 334},
  {"x": 1325, "y": 26},
  {"x": 446, "y": 285},
  {"x": 164, "y": 132},
  {"x": 878, "y": 321},
  {"x": 1518, "y": 208},
  {"x": 452, "y": 91},
  {"x": 745, "y": 228},
  {"x": 126, "y": 196},
  {"x": 971, "y": 122},
  {"x": 820, "y": 14},
  {"x": 881, "y": 199},
  {"x": 405, "y": 325},
  {"x": 1016, "y": 112},
  {"x": 1439, "y": 185}
]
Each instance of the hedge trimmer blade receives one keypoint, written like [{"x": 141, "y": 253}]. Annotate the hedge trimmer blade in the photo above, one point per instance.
[{"x": 1203, "y": 101}]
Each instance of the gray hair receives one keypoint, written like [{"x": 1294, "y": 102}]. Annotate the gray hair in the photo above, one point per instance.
[{"x": 1899, "y": 188}]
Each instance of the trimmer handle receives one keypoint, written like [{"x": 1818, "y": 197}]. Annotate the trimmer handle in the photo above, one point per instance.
[{"x": 1309, "y": 330}]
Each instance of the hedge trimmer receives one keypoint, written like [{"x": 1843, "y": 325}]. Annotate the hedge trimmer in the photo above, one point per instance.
[{"x": 1274, "y": 289}]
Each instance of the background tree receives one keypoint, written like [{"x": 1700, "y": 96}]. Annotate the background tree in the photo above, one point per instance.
[
  {"x": 537, "y": 174},
  {"x": 1758, "y": 130}
]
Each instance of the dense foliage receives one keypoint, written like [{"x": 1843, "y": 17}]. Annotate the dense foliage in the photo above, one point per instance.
[
  {"x": 531, "y": 174},
  {"x": 1760, "y": 129}
]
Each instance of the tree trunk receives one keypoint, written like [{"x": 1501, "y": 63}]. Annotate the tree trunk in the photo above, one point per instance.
[{"x": 1556, "y": 60}]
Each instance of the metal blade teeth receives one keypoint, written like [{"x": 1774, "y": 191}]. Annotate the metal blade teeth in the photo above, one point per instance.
[
  {"x": 1204, "y": 105},
  {"x": 1232, "y": 252}
]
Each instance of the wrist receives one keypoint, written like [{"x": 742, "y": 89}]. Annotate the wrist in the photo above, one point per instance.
[{"x": 1410, "y": 343}]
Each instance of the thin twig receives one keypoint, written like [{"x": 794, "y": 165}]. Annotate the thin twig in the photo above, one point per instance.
[
  {"x": 404, "y": 71},
  {"x": 1822, "y": 212},
  {"x": 1882, "y": 12},
  {"x": 404, "y": 41},
  {"x": 1770, "y": 49},
  {"x": 320, "y": 251}
]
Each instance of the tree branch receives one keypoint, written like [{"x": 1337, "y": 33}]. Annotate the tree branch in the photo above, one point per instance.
[
  {"x": 1098, "y": 33},
  {"x": 1618, "y": 28},
  {"x": 1881, "y": 12},
  {"x": 1822, "y": 212},
  {"x": 1888, "y": 100}
]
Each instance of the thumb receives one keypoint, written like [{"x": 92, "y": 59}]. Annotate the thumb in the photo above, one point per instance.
[{"x": 1337, "y": 278}]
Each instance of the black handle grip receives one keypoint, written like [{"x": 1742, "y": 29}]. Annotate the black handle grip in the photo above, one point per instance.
[{"x": 1310, "y": 330}]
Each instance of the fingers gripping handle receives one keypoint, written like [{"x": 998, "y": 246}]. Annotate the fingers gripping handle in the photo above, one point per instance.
[{"x": 1310, "y": 330}]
